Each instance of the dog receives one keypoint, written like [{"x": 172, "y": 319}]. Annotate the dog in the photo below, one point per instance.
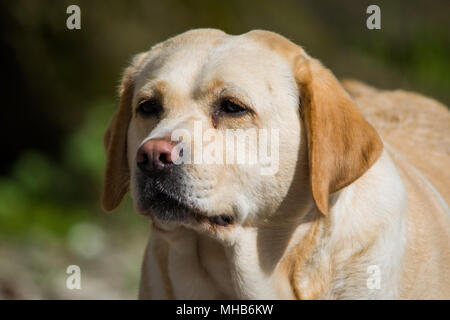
[{"x": 345, "y": 215}]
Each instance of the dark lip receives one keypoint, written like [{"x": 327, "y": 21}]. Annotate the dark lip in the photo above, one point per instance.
[
  {"x": 166, "y": 207},
  {"x": 169, "y": 204}
]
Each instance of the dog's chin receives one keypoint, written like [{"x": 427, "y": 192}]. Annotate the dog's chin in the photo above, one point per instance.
[
  {"x": 169, "y": 206},
  {"x": 166, "y": 209}
]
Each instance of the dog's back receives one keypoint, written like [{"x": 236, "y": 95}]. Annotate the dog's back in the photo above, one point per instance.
[{"x": 413, "y": 125}]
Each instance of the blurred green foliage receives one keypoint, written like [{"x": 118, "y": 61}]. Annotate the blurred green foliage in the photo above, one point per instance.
[{"x": 50, "y": 195}]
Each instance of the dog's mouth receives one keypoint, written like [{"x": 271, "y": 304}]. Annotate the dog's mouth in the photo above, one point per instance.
[{"x": 168, "y": 204}]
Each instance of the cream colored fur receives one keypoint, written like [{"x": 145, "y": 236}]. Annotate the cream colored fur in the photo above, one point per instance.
[{"x": 286, "y": 243}]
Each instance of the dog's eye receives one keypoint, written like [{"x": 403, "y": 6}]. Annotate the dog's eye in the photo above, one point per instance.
[
  {"x": 228, "y": 106},
  {"x": 149, "y": 107}
]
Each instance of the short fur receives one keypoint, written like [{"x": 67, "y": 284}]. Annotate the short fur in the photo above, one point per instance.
[{"x": 342, "y": 203}]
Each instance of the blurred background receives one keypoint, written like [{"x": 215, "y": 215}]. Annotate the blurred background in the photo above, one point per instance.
[{"x": 59, "y": 92}]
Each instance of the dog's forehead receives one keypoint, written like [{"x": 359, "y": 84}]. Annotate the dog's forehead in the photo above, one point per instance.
[
  {"x": 239, "y": 57},
  {"x": 196, "y": 57}
]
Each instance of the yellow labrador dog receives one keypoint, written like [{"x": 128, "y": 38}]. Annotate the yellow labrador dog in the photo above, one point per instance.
[{"x": 340, "y": 213}]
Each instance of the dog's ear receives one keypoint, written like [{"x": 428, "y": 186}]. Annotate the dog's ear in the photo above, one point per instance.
[
  {"x": 117, "y": 173},
  {"x": 342, "y": 145}
]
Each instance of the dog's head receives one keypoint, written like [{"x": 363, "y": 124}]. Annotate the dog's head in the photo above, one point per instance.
[{"x": 194, "y": 104}]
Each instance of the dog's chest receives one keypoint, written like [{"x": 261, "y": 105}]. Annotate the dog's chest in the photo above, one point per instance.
[
  {"x": 216, "y": 265},
  {"x": 236, "y": 270},
  {"x": 205, "y": 269},
  {"x": 198, "y": 268}
]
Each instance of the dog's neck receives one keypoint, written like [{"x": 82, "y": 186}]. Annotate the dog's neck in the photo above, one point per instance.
[{"x": 297, "y": 252}]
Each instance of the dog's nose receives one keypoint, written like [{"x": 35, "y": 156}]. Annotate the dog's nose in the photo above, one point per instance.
[{"x": 155, "y": 155}]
